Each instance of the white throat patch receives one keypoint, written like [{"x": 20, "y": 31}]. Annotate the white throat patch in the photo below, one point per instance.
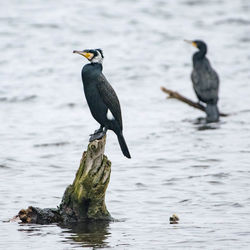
[{"x": 98, "y": 58}]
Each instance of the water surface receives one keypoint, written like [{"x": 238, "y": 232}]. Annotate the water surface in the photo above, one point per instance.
[{"x": 177, "y": 166}]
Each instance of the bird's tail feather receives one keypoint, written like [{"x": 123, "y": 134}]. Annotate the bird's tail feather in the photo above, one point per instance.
[
  {"x": 123, "y": 145},
  {"x": 212, "y": 112}
]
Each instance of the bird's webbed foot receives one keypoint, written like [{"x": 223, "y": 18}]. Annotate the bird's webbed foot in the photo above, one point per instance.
[
  {"x": 99, "y": 130},
  {"x": 98, "y": 134}
]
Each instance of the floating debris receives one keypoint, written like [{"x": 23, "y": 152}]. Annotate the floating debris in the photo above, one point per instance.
[{"x": 174, "y": 219}]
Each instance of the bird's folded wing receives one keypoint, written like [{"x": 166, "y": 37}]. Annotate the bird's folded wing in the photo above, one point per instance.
[
  {"x": 211, "y": 85},
  {"x": 110, "y": 98},
  {"x": 206, "y": 85}
]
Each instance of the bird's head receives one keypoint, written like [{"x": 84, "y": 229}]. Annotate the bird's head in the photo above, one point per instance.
[
  {"x": 198, "y": 44},
  {"x": 93, "y": 55}
]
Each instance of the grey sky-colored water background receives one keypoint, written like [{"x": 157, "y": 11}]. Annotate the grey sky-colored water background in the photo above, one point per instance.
[{"x": 202, "y": 175}]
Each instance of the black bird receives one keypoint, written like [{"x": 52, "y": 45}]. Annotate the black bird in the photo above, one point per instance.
[
  {"x": 101, "y": 98},
  {"x": 205, "y": 81}
]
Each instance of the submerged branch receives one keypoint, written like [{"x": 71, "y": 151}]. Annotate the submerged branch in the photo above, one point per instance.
[{"x": 176, "y": 95}]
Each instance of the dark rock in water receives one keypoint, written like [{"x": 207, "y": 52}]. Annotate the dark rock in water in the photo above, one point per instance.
[{"x": 37, "y": 215}]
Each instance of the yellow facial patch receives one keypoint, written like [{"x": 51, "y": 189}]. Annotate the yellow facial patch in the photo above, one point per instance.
[
  {"x": 194, "y": 44},
  {"x": 88, "y": 55}
]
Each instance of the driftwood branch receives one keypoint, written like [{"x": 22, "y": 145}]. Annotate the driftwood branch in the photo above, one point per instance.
[
  {"x": 176, "y": 95},
  {"x": 83, "y": 200}
]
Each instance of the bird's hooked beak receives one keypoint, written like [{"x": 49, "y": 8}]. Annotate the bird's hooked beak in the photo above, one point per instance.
[
  {"x": 191, "y": 42},
  {"x": 88, "y": 55}
]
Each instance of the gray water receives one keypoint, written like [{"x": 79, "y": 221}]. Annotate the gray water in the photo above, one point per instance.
[{"x": 177, "y": 166}]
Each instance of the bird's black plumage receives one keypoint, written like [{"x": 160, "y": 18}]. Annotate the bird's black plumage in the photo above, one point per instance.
[
  {"x": 205, "y": 81},
  {"x": 101, "y": 98}
]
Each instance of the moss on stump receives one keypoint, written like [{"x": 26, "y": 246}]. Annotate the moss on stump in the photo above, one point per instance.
[{"x": 85, "y": 198}]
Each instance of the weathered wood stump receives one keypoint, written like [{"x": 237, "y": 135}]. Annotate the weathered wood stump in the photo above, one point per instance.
[{"x": 85, "y": 198}]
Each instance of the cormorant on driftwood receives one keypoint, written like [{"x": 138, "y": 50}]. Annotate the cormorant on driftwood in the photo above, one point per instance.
[
  {"x": 205, "y": 81},
  {"x": 101, "y": 98}
]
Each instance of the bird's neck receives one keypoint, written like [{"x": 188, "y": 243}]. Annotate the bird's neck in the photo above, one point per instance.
[
  {"x": 200, "y": 55},
  {"x": 97, "y": 65}
]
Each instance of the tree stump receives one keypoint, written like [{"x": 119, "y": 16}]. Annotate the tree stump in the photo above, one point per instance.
[{"x": 85, "y": 198}]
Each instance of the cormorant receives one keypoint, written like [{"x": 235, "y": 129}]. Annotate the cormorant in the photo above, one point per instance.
[
  {"x": 101, "y": 98},
  {"x": 205, "y": 81}
]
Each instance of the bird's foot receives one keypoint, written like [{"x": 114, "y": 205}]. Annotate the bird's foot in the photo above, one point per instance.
[
  {"x": 96, "y": 136},
  {"x": 97, "y": 131}
]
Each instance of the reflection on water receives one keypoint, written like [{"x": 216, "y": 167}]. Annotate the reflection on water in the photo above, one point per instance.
[
  {"x": 90, "y": 234},
  {"x": 201, "y": 124},
  {"x": 207, "y": 126},
  {"x": 87, "y": 234},
  {"x": 202, "y": 127}
]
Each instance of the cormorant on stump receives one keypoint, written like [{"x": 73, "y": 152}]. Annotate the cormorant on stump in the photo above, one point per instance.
[
  {"x": 205, "y": 81},
  {"x": 101, "y": 98}
]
